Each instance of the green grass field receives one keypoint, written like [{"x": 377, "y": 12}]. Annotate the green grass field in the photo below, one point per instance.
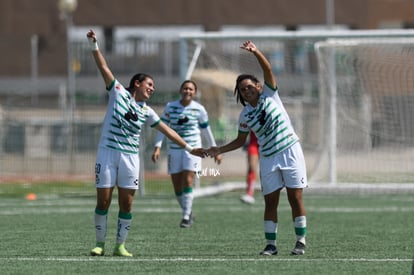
[{"x": 347, "y": 234}]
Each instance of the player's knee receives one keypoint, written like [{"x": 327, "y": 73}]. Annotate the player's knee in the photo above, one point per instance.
[{"x": 103, "y": 204}]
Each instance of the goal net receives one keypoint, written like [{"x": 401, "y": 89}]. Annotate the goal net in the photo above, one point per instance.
[{"x": 350, "y": 96}]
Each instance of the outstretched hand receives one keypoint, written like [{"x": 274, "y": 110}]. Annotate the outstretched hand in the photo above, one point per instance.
[
  {"x": 213, "y": 152},
  {"x": 249, "y": 46},
  {"x": 217, "y": 159},
  {"x": 199, "y": 152},
  {"x": 156, "y": 154}
]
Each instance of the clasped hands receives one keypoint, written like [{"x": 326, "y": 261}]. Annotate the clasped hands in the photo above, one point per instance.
[{"x": 212, "y": 152}]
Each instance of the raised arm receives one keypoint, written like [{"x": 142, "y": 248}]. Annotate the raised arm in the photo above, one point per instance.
[
  {"x": 269, "y": 77},
  {"x": 106, "y": 73}
]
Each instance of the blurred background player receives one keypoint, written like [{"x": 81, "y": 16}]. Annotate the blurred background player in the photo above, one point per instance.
[
  {"x": 189, "y": 119},
  {"x": 252, "y": 163}
]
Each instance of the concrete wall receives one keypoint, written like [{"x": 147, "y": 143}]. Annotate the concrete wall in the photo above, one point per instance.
[{"x": 20, "y": 19}]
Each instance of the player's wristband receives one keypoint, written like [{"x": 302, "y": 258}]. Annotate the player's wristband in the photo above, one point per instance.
[
  {"x": 188, "y": 148},
  {"x": 93, "y": 44}
]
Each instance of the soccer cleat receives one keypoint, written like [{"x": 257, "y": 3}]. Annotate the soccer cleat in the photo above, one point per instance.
[
  {"x": 269, "y": 250},
  {"x": 247, "y": 199},
  {"x": 121, "y": 251},
  {"x": 97, "y": 251},
  {"x": 187, "y": 223},
  {"x": 299, "y": 249}
]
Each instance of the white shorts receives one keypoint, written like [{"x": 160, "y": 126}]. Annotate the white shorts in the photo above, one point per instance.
[
  {"x": 180, "y": 160},
  {"x": 116, "y": 168},
  {"x": 284, "y": 169}
]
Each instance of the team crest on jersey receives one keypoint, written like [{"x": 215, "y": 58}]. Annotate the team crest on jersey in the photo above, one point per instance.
[
  {"x": 131, "y": 115},
  {"x": 262, "y": 117},
  {"x": 182, "y": 119},
  {"x": 118, "y": 86},
  {"x": 243, "y": 125}
]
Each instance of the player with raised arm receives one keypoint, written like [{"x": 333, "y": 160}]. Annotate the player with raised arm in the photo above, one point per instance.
[
  {"x": 189, "y": 119},
  {"x": 117, "y": 160},
  {"x": 282, "y": 163}
]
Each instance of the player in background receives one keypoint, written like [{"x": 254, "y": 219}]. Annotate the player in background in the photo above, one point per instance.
[
  {"x": 117, "y": 161},
  {"x": 252, "y": 150},
  {"x": 189, "y": 119},
  {"x": 282, "y": 163}
]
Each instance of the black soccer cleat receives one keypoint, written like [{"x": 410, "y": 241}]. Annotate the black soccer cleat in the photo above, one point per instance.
[
  {"x": 299, "y": 249},
  {"x": 185, "y": 223},
  {"x": 269, "y": 250}
]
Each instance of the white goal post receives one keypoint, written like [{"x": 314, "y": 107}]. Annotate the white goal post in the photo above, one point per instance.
[{"x": 350, "y": 95}]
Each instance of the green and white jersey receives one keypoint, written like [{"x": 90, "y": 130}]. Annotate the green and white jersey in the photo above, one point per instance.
[
  {"x": 270, "y": 122},
  {"x": 124, "y": 120},
  {"x": 186, "y": 121}
]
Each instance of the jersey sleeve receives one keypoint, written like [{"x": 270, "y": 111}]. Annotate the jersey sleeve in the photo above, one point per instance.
[
  {"x": 112, "y": 85},
  {"x": 203, "y": 118},
  {"x": 165, "y": 117},
  {"x": 270, "y": 92},
  {"x": 208, "y": 135},
  {"x": 153, "y": 118}
]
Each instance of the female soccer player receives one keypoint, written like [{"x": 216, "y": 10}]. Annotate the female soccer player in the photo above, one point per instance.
[
  {"x": 282, "y": 163},
  {"x": 117, "y": 161},
  {"x": 188, "y": 118}
]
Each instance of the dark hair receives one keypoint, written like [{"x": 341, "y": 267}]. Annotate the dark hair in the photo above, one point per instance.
[
  {"x": 140, "y": 77},
  {"x": 240, "y": 78},
  {"x": 188, "y": 81}
]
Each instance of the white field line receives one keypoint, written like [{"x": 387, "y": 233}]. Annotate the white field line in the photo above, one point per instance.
[
  {"x": 57, "y": 206},
  {"x": 190, "y": 259},
  {"x": 315, "y": 187},
  {"x": 49, "y": 210}
]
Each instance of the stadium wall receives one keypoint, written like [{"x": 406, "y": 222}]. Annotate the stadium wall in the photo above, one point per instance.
[{"x": 21, "y": 19}]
